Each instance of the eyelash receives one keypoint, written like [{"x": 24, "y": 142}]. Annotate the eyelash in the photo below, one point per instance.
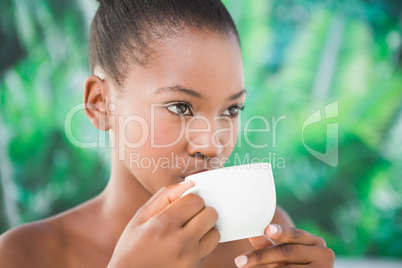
[
  {"x": 238, "y": 107},
  {"x": 189, "y": 107}
]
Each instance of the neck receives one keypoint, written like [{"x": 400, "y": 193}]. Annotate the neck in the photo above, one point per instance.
[{"x": 123, "y": 195}]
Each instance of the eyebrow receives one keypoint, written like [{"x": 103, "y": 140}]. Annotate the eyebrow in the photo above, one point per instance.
[
  {"x": 194, "y": 93},
  {"x": 181, "y": 90},
  {"x": 237, "y": 95}
]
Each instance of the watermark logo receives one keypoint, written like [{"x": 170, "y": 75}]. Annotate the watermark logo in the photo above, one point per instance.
[
  {"x": 177, "y": 162},
  {"x": 220, "y": 132},
  {"x": 330, "y": 156},
  {"x": 202, "y": 133}
]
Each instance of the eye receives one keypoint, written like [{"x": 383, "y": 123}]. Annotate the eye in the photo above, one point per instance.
[
  {"x": 233, "y": 110},
  {"x": 180, "y": 109}
]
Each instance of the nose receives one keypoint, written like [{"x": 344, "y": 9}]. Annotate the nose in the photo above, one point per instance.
[{"x": 203, "y": 137}]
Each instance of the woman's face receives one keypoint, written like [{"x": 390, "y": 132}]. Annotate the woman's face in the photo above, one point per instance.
[{"x": 179, "y": 114}]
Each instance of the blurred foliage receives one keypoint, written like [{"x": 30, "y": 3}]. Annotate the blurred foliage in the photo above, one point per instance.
[
  {"x": 299, "y": 56},
  {"x": 44, "y": 62}
]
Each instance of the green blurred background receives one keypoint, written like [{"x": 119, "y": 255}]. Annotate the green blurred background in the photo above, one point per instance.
[{"x": 299, "y": 56}]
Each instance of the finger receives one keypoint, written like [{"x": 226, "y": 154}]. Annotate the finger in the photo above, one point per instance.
[
  {"x": 289, "y": 234},
  {"x": 261, "y": 242},
  {"x": 162, "y": 199},
  {"x": 285, "y": 265},
  {"x": 209, "y": 241},
  {"x": 289, "y": 266},
  {"x": 183, "y": 210},
  {"x": 202, "y": 223},
  {"x": 283, "y": 253}
]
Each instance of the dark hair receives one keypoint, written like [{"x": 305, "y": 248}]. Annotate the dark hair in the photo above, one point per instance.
[{"x": 123, "y": 32}]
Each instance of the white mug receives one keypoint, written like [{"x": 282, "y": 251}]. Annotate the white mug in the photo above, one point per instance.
[{"x": 244, "y": 197}]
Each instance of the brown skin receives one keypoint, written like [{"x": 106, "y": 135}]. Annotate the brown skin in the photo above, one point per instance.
[{"x": 133, "y": 224}]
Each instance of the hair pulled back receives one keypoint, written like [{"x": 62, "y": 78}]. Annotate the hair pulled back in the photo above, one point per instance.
[{"x": 123, "y": 32}]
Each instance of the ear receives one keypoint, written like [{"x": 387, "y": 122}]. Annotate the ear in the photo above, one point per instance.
[{"x": 96, "y": 101}]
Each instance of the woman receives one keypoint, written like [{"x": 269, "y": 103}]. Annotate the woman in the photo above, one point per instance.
[{"x": 160, "y": 68}]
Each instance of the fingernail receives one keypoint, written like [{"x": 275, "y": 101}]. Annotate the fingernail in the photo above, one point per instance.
[
  {"x": 273, "y": 228},
  {"x": 241, "y": 261}
]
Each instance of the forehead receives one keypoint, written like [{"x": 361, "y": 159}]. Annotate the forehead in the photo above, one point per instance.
[{"x": 198, "y": 59}]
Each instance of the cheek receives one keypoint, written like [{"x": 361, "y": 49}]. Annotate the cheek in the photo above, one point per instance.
[
  {"x": 228, "y": 134},
  {"x": 131, "y": 124},
  {"x": 167, "y": 132},
  {"x": 134, "y": 132}
]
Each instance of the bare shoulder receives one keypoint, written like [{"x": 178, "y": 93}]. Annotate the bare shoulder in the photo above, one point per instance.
[
  {"x": 67, "y": 239},
  {"x": 281, "y": 217},
  {"x": 32, "y": 245}
]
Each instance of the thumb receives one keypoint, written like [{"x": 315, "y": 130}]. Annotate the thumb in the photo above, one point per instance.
[{"x": 162, "y": 199}]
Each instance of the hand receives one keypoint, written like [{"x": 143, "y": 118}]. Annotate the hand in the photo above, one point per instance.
[
  {"x": 299, "y": 249},
  {"x": 168, "y": 231}
]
